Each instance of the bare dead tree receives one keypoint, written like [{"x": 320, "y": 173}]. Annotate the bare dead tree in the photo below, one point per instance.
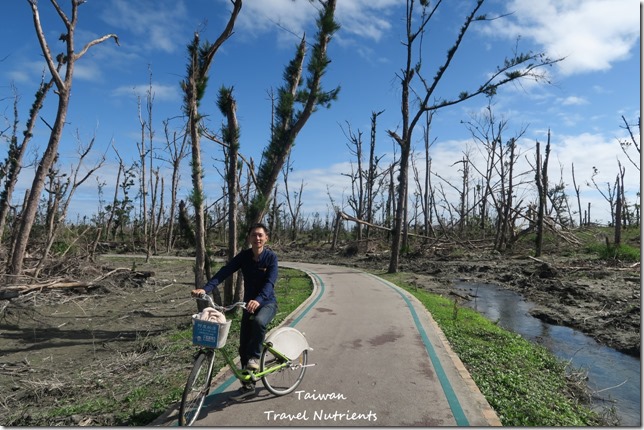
[
  {"x": 487, "y": 131},
  {"x": 357, "y": 176},
  {"x": 541, "y": 179},
  {"x": 148, "y": 187},
  {"x": 113, "y": 207},
  {"x": 62, "y": 189},
  {"x": 577, "y": 194},
  {"x": 372, "y": 172},
  {"x": 177, "y": 149},
  {"x": 142, "y": 177},
  {"x": 464, "y": 193},
  {"x": 609, "y": 195},
  {"x": 389, "y": 208},
  {"x": 506, "y": 224},
  {"x": 498, "y": 178},
  {"x": 157, "y": 193},
  {"x": 519, "y": 66},
  {"x": 625, "y": 144},
  {"x": 428, "y": 192},
  {"x": 63, "y": 83},
  {"x": 559, "y": 206},
  {"x": 293, "y": 204},
  {"x": 619, "y": 201}
]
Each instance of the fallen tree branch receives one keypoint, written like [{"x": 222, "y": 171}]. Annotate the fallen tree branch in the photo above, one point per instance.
[{"x": 23, "y": 289}]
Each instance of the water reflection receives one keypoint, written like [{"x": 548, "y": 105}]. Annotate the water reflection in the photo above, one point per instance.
[{"x": 609, "y": 370}]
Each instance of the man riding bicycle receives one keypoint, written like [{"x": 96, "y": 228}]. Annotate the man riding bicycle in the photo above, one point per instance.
[{"x": 259, "y": 268}]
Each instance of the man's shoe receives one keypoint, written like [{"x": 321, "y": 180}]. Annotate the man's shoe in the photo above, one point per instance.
[
  {"x": 252, "y": 364},
  {"x": 245, "y": 392}
]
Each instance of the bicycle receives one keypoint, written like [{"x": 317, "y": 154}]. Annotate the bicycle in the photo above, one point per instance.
[{"x": 282, "y": 364}]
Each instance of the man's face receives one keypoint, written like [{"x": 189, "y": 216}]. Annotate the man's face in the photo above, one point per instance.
[{"x": 258, "y": 237}]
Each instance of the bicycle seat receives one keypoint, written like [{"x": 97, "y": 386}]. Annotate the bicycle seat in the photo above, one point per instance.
[{"x": 289, "y": 342}]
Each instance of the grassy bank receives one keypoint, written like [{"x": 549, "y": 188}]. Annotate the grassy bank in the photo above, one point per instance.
[{"x": 524, "y": 383}]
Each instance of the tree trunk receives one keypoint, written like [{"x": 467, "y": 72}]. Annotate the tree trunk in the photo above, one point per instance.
[
  {"x": 228, "y": 107},
  {"x": 177, "y": 154},
  {"x": 619, "y": 203},
  {"x": 194, "y": 87},
  {"x": 63, "y": 87},
  {"x": 371, "y": 175},
  {"x": 29, "y": 212},
  {"x": 542, "y": 187},
  {"x": 17, "y": 152},
  {"x": 397, "y": 233},
  {"x": 618, "y": 216}
]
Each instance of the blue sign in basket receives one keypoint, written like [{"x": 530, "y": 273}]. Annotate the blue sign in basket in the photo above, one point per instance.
[{"x": 209, "y": 334}]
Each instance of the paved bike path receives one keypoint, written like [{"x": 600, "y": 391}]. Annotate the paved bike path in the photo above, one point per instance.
[{"x": 380, "y": 360}]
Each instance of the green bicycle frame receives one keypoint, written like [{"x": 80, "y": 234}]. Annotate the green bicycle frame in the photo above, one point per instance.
[{"x": 254, "y": 376}]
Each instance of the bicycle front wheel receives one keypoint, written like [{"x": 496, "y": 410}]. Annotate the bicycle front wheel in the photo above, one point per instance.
[
  {"x": 197, "y": 388},
  {"x": 286, "y": 379}
]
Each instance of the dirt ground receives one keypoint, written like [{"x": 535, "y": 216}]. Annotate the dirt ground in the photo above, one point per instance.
[
  {"x": 51, "y": 339},
  {"x": 63, "y": 343}
]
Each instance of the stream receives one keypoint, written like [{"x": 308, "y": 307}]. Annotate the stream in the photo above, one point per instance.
[{"x": 614, "y": 376}]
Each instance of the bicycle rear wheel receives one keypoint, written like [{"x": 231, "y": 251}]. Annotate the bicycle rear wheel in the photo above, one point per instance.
[
  {"x": 285, "y": 380},
  {"x": 197, "y": 388}
]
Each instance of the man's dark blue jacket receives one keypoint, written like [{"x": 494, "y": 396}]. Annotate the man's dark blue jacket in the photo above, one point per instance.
[{"x": 259, "y": 276}]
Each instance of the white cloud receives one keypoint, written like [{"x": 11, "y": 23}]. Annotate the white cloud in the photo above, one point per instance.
[
  {"x": 260, "y": 17},
  {"x": 28, "y": 72},
  {"x": 574, "y": 101},
  {"x": 157, "y": 23},
  {"x": 160, "y": 92},
  {"x": 591, "y": 34},
  {"x": 87, "y": 71},
  {"x": 364, "y": 19}
]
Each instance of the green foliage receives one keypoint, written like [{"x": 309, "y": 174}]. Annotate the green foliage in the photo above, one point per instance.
[
  {"x": 59, "y": 247},
  {"x": 289, "y": 117},
  {"x": 617, "y": 253},
  {"x": 194, "y": 87}
]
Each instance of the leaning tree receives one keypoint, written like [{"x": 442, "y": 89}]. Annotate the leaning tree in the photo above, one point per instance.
[{"x": 297, "y": 100}]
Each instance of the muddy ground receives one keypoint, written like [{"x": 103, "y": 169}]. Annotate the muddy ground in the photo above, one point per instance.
[{"x": 77, "y": 342}]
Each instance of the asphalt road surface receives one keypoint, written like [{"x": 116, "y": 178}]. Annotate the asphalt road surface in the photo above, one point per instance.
[{"x": 380, "y": 360}]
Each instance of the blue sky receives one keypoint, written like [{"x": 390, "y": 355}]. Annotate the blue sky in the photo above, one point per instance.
[{"x": 597, "y": 83}]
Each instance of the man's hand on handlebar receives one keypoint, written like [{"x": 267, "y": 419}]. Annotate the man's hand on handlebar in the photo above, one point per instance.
[
  {"x": 252, "y": 306},
  {"x": 198, "y": 292}
]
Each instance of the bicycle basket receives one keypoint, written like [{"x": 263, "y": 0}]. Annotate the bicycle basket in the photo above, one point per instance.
[{"x": 209, "y": 334}]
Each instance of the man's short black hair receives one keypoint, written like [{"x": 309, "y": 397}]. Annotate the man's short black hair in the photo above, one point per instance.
[{"x": 259, "y": 225}]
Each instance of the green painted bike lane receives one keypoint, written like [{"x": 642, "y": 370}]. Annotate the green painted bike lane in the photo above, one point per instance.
[{"x": 380, "y": 360}]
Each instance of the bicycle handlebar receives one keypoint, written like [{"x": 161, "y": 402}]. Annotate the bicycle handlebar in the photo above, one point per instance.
[{"x": 218, "y": 307}]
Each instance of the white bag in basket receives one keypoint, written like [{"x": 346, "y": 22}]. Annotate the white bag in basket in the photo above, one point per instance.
[{"x": 212, "y": 315}]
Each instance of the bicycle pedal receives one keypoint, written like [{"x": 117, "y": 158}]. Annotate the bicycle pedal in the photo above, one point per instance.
[{"x": 248, "y": 376}]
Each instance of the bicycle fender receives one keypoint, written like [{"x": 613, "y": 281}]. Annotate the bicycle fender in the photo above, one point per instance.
[{"x": 288, "y": 341}]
